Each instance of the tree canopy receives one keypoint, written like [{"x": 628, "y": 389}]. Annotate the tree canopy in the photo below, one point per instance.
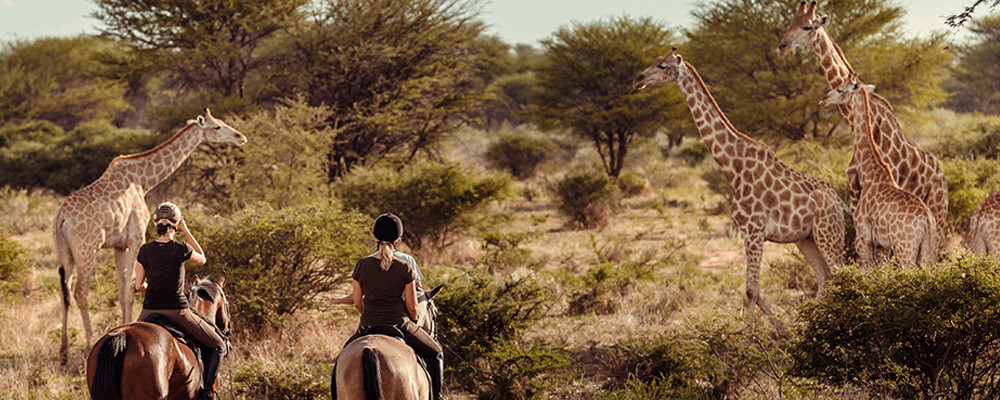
[
  {"x": 978, "y": 69},
  {"x": 733, "y": 43},
  {"x": 583, "y": 84}
]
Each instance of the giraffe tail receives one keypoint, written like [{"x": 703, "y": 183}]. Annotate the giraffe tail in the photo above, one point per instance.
[{"x": 64, "y": 256}]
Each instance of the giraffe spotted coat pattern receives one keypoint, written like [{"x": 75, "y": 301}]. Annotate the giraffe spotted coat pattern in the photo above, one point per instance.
[
  {"x": 914, "y": 169},
  {"x": 886, "y": 216},
  {"x": 771, "y": 201},
  {"x": 111, "y": 212}
]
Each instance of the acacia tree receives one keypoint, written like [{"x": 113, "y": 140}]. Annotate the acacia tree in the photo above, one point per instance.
[
  {"x": 583, "y": 85},
  {"x": 734, "y": 45},
  {"x": 957, "y": 20},
  {"x": 397, "y": 74},
  {"x": 978, "y": 69},
  {"x": 202, "y": 43}
]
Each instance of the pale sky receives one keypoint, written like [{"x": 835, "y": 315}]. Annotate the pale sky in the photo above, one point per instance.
[{"x": 515, "y": 21}]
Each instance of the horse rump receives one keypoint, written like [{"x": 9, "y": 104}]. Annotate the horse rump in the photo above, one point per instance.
[
  {"x": 108, "y": 373},
  {"x": 369, "y": 363}
]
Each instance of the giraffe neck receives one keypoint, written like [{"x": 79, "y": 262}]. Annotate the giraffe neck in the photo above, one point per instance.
[
  {"x": 835, "y": 66},
  {"x": 716, "y": 131},
  {"x": 149, "y": 168},
  {"x": 873, "y": 167}
]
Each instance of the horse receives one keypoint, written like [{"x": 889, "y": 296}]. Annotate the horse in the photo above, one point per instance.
[
  {"x": 144, "y": 361},
  {"x": 378, "y": 366}
]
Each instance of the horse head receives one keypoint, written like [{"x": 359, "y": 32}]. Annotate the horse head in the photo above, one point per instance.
[
  {"x": 208, "y": 299},
  {"x": 427, "y": 311}
]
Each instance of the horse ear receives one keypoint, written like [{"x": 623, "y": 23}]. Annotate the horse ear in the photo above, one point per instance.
[
  {"x": 434, "y": 292},
  {"x": 221, "y": 279}
]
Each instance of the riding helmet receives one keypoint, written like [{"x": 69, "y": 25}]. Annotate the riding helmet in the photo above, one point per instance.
[{"x": 388, "y": 228}]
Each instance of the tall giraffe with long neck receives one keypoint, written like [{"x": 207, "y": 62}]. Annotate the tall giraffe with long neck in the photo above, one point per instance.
[
  {"x": 771, "y": 201},
  {"x": 111, "y": 212},
  {"x": 914, "y": 169},
  {"x": 886, "y": 215}
]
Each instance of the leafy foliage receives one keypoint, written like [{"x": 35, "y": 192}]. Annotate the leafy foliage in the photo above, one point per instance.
[
  {"x": 58, "y": 80},
  {"x": 486, "y": 319},
  {"x": 13, "y": 264},
  {"x": 583, "y": 85},
  {"x": 432, "y": 199},
  {"x": 977, "y": 70},
  {"x": 277, "y": 260},
  {"x": 45, "y": 157},
  {"x": 733, "y": 44},
  {"x": 969, "y": 182},
  {"x": 520, "y": 153},
  {"x": 907, "y": 333},
  {"x": 586, "y": 196},
  {"x": 396, "y": 73}
]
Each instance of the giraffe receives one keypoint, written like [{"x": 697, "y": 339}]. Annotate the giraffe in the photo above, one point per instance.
[
  {"x": 984, "y": 227},
  {"x": 111, "y": 212},
  {"x": 886, "y": 215},
  {"x": 914, "y": 169},
  {"x": 771, "y": 201}
]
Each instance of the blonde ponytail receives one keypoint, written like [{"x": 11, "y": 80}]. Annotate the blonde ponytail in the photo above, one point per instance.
[{"x": 385, "y": 253}]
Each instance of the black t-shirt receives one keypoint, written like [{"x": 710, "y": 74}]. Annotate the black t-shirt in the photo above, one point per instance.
[
  {"x": 164, "y": 265},
  {"x": 383, "y": 291}
]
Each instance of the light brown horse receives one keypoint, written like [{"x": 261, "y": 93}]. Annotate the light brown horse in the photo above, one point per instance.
[
  {"x": 383, "y": 367},
  {"x": 143, "y": 360}
]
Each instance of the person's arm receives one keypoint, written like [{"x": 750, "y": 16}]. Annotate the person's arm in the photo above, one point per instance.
[
  {"x": 140, "y": 278},
  {"x": 358, "y": 297},
  {"x": 198, "y": 255},
  {"x": 410, "y": 295},
  {"x": 348, "y": 299}
]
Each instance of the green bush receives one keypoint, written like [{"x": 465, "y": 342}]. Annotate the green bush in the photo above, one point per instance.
[
  {"x": 13, "y": 265},
  {"x": 275, "y": 380},
  {"x": 906, "y": 333},
  {"x": 484, "y": 321},
  {"x": 278, "y": 260},
  {"x": 969, "y": 183},
  {"x": 502, "y": 252},
  {"x": 631, "y": 184},
  {"x": 22, "y": 211},
  {"x": 520, "y": 153},
  {"x": 618, "y": 269},
  {"x": 72, "y": 161},
  {"x": 432, "y": 199},
  {"x": 979, "y": 137},
  {"x": 586, "y": 196},
  {"x": 693, "y": 152}
]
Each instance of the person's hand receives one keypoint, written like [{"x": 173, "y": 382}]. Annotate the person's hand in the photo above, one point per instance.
[{"x": 141, "y": 289}]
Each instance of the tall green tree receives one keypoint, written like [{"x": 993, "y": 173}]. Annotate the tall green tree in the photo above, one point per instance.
[
  {"x": 201, "y": 43},
  {"x": 978, "y": 69},
  {"x": 583, "y": 85},
  {"x": 58, "y": 80},
  {"x": 734, "y": 43},
  {"x": 397, "y": 74}
]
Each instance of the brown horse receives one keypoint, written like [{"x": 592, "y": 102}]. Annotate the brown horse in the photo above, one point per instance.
[
  {"x": 383, "y": 367},
  {"x": 143, "y": 360}
]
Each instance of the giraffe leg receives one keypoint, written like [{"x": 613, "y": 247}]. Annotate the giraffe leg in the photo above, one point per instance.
[
  {"x": 125, "y": 263},
  {"x": 863, "y": 246},
  {"x": 81, "y": 291},
  {"x": 816, "y": 260},
  {"x": 754, "y": 243}
]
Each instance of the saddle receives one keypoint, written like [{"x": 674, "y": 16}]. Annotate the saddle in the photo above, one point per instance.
[{"x": 169, "y": 326}]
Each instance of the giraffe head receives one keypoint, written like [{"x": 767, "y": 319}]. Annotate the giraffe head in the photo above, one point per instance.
[
  {"x": 803, "y": 29},
  {"x": 217, "y": 131},
  {"x": 845, "y": 93},
  {"x": 664, "y": 69}
]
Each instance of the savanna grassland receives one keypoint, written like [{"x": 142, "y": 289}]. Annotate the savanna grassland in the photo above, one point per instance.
[{"x": 663, "y": 274}]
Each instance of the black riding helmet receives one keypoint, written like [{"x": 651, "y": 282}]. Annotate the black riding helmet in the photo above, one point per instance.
[
  {"x": 168, "y": 211},
  {"x": 388, "y": 228}
]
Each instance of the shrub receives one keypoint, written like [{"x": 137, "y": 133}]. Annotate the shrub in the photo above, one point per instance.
[
  {"x": 631, "y": 184},
  {"x": 278, "y": 260},
  {"x": 907, "y": 333},
  {"x": 501, "y": 252},
  {"x": 22, "y": 211},
  {"x": 520, "y": 153},
  {"x": 485, "y": 320},
  {"x": 273, "y": 380},
  {"x": 969, "y": 182},
  {"x": 617, "y": 270},
  {"x": 586, "y": 196},
  {"x": 432, "y": 199},
  {"x": 13, "y": 265},
  {"x": 693, "y": 152}
]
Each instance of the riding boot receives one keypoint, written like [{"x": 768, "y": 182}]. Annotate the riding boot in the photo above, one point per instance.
[
  {"x": 435, "y": 368},
  {"x": 213, "y": 358}
]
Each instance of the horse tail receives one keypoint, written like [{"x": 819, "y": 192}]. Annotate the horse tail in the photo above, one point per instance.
[
  {"x": 107, "y": 377},
  {"x": 369, "y": 363}
]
